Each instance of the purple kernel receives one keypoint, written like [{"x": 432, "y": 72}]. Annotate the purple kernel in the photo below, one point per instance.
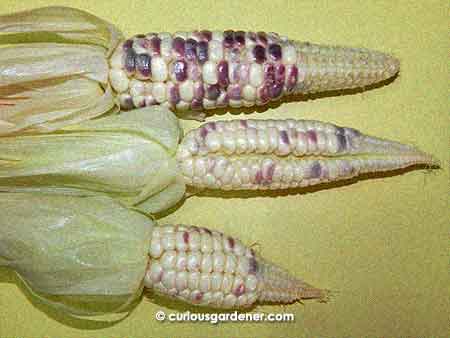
[
  {"x": 155, "y": 44},
  {"x": 199, "y": 91},
  {"x": 312, "y": 136},
  {"x": 262, "y": 38},
  {"x": 211, "y": 125},
  {"x": 127, "y": 45},
  {"x": 284, "y": 137},
  {"x": 202, "y": 52},
  {"x": 180, "y": 70},
  {"x": 186, "y": 237},
  {"x": 269, "y": 174},
  {"x": 292, "y": 78},
  {"x": 239, "y": 37},
  {"x": 228, "y": 39},
  {"x": 341, "y": 141},
  {"x": 212, "y": 92},
  {"x": 197, "y": 104},
  {"x": 259, "y": 53},
  {"x": 275, "y": 51},
  {"x": 234, "y": 72},
  {"x": 130, "y": 61},
  {"x": 258, "y": 177},
  {"x": 203, "y": 132},
  {"x": 128, "y": 104},
  {"x": 231, "y": 242},
  {"x": 269, "y": 73},
  {"x": 263, "y": 94},
  {"x": 235, "y": 54},
  {"x": 280, "y": 73},
  {"x": 234, "y": 92},
  {"x": 178, "y": 45},
  {"x": 190, "y": 49},
  {"x": 222, "y": 70},
  {"x": 239, "y": 291},
  {"x": 143, "y": 64},
  {"x": 207, "y": 35},
  {"x": 275, "y": 90},
  {"x": 174, "y": 95},
  {"x": 316, "y": 170},
  {"x": 253, "y": 266},
  {"x": 243, "y": 123}
]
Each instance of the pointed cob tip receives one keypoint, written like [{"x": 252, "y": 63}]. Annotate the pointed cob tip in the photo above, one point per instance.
[{"x": 391, "y": 66}]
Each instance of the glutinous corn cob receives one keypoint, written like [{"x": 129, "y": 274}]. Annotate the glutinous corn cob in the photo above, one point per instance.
[
  {"x": 280, "y": 154},
  {"x": 205, "y": 70},
  {"x": 62, "y": 65},
  {"x": 205, "y": 267},
  {"x": 142, "y": 160},
  {"x": 119, "y": 251}
]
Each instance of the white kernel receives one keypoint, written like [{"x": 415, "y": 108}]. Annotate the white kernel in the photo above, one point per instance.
[
  {"x": 159, "y": 92},
  {"x": 256, "y": 75},
  {"x": 207, "y": 263},
  {"x": 200, "y": 167},
  {"x": 217, "y": 35},
  {"x": 182, "y": 106},
  {"x": 181, "y": 262},
  {"x": 209, "y": 104},
  {"x": 273, "y": 135},
  {"x": 213, "y": 141},
  {"x": 321, "y": 141},
  {"x": 251, "y": 282},
  {"x": 230, "y": 264},
  {"x": 288, "y": 173},
  {"x": 187, "y": 90},
  {"x": 168, "y": 241},
  {"x": 168, "y": 279},
  {"x": 243, "y": 266},
  {"x": 153, "y": 274},
  {"x": 215, "y": 50},
  {"x": 239, "y": 248},
  {"x": 262, "y": 141},
  {"x": 209, "y": 72},
  {"x": 166, "y": 47},
  {"x": 289, "y": 54},
  {"x": 119, "y": 80},
  {"x": 217, "y": 298},
  {"x": 218, "y": 259},
  {"x": 193, "y": 280},
  {"x": 159, "y": 69},
  {"x": 249, "y": 93},
  {"x": 116, "y": 60},
  {"x": 138, "y": 101},
  {"x": 242, "y": 301},
  {"x": 229, "y": 301},
  {"x": 168, "y": 260},
  {"x": 241, "y": 141},
  {"x": 206, "y": 245},
  {"x": 155, "y": 247},
  {"x": 227, "y": 283},
  {"x": 194, "y": 241},
  {"x": 181, "y": 281},
  {"x": 302, "y": 144},
  {"x": 220, "y": 167},
  {"x": 180, "y": 244},
  {"x": 187, "y": 167},
  {"x": 229, "y": 143},
  {"x": 228, "y": 175},
  {"x": 235, "y": 103},
  {"x": 216, "y": 281},
  {"x": 205, "y": 282},
  {"x": 193, "y": 261}
]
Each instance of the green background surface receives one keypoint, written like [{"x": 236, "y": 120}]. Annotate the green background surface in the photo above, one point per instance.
[{"x": 381, "y": 244}]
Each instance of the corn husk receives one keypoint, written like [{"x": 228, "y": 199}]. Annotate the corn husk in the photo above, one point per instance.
[
  {"x": 75, "y": 253},
  {"x": 54, "y": 69},
  {"x": 130, "y": 157}
]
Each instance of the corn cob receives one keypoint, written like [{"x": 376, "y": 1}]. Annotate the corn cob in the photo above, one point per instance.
[
  {"x": 280, "y": 154},
  {"x": 205, "y": 70},
  {"x": 205, "y": 267}
]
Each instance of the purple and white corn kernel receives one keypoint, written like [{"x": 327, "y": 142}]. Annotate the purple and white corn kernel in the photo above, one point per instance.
[{"x": 274, "y": 66}]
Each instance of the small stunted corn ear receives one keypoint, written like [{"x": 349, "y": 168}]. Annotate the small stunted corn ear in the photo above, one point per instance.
[
  {"x": 205, "y": 70},
  {"x": 279, "y": 154},
  {"x": 205, "y": 267}
]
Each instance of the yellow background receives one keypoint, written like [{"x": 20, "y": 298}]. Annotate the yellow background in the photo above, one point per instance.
[{"x": 381, "y": 244}]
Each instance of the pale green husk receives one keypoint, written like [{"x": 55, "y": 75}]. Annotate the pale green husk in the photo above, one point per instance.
[
  {"x": 130, "y": 157},
  {"x": 75, "y": 252},
  {"x": 54, "y": 69}
]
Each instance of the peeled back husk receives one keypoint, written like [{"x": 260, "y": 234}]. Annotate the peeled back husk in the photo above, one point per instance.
[
  {"x": 75, "y": 253},
  {"x": 130, "y": 157},
  {"x": 55, "y": 55}
]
